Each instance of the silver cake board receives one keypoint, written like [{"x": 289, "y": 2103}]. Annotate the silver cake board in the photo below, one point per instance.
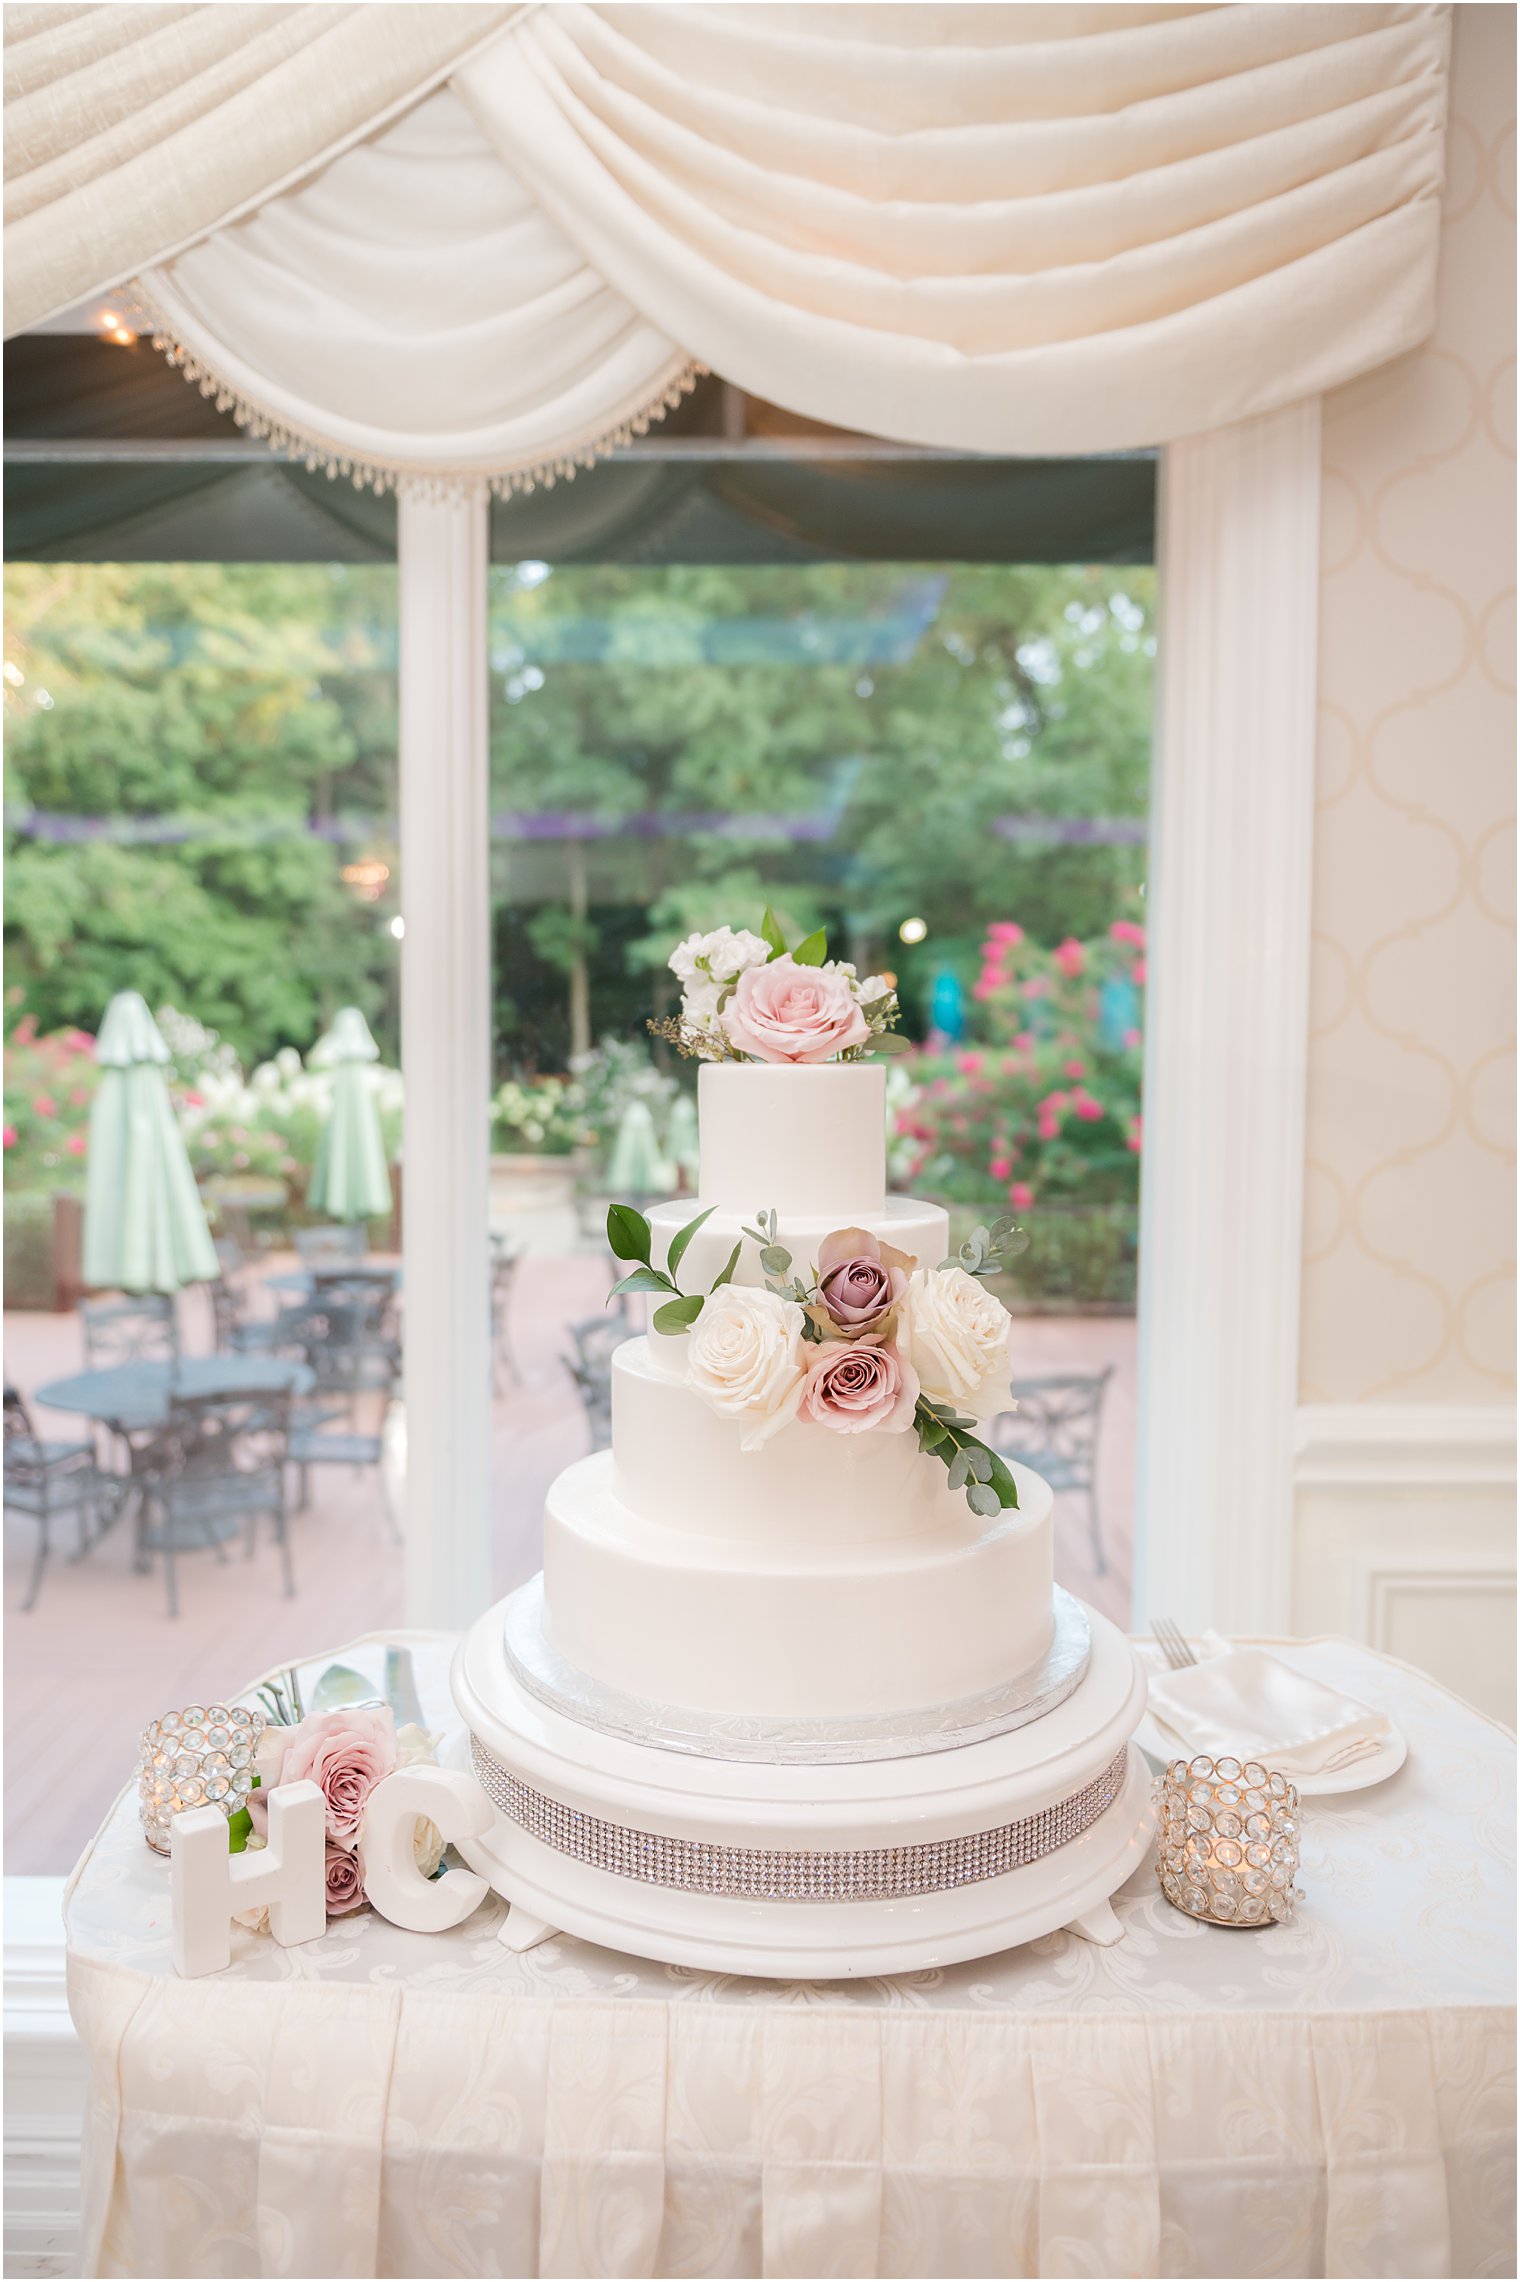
[
  {"x": 840, "y": 1741},
  {"x": 815, "y": 1872}
]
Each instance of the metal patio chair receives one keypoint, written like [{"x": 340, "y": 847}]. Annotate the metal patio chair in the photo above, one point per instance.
[
  {"x": 215, "y": 1470},
  {"x": 45, "y": 1480},
  {"x": 1055, "y": 1431},
  {"x": 348, "y": 1359},
  {"x": 137, "y": 1327},
  {"x": 595, "y": 1340},
  {"x": 334, "y": 1243}
]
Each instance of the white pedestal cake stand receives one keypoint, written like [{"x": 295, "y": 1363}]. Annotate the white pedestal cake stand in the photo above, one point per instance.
[{"x": 806, "y": 1873}]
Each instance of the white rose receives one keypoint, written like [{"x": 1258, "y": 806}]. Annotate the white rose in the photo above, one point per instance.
[
  {"x": 873, "y": 988},
  {"x": 718, "y": 957},
  {"x": 744, "y": 1358},
  {"x": 954, "y": 1332}
]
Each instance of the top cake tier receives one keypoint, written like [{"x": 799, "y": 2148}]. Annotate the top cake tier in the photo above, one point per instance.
[{"x": 809, "y": 1142}]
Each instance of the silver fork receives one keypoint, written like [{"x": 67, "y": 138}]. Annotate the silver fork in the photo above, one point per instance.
[{"x": 1171, "y": 1641}]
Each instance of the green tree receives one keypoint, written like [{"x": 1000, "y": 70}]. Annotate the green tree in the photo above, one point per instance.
[{"x": 204, "y": 729}]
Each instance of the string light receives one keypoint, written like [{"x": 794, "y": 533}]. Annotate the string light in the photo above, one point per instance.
[
  {"x": 913, "y": 930},
  {"x": 398, "y": 927}
]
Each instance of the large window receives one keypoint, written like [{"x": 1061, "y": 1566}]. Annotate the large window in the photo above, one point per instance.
[
  {"x": 200, "y": 807},
  {"x": 946, "y": 766}
]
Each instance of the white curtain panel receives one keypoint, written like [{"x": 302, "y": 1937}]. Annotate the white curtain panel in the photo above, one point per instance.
[
  {"x": 1023, "y": 229},
  {"x": 131, "y": 131},
  {"x": 412, "y": 312}
]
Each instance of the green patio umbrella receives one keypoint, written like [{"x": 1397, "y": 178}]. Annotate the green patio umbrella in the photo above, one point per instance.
[
  {"x": 637, "y": 1168},
  {"x": 144, "y": 1223},
  {"x": 351, "y": 1181}
]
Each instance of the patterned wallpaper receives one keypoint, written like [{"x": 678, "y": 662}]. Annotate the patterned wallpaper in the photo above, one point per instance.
[{"x": 1409, "y": 1203}]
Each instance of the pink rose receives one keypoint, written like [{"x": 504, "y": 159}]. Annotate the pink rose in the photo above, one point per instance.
[
  {"x": 1005, "y": 931},
  {"x": 860, "y": 1280},
  {"x": 852, "y": 1388},
  {"x": 1069, "y": 957},
  {"x": 75, "y": 1144},
  {"x": 1000, "y": 1167},
  {"x": 44, "y": 1105},
  {"x": 1021, "y": 1196},
  {"x": 1073, "y": 1069},
  {"x": 968, "y": 1064},
  {"x": 10, "y": 1136},
  {"x": 345, "y": 1753},
  {"x": 1137, "y": 971},
  {"x": 345, "y": 1890},
  {"x": 1086, "y": 1107},
  {"x": 786, "y": 1013},
  {"x": 1127, "y": 931}
]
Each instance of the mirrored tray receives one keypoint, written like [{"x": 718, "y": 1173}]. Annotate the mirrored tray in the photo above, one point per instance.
[{"x": 834, "y": 1742}]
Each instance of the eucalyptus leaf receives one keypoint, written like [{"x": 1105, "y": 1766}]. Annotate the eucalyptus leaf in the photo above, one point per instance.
[
  {"x": 770, "y": 928},
  {"x": 642, "y": 1280},
  {"x": 960, "y": 1469},
  {"x": 1003, "y": 1483},
  {"x": 727, "y": 1275},
  {"x": 683, "y": 1237},
  {"x": 890, "y": 1042},
  {"x": 813, "y": 949},
  {"x": 627, "y": 1233},
  {"x": 677, "y": 1315},
  {"x": 775, "y": 1259},
  {"x": 978, "y": 1462},
  {"x": 983, "y": 1500}
]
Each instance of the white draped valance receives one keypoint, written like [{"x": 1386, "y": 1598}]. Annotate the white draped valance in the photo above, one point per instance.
[{"x": 1022, "y": 229}]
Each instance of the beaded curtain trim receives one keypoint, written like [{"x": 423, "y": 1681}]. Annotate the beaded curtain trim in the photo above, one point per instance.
[
  {"x": 875, "y": 1873},
  {"x": 323, "y": 454}
]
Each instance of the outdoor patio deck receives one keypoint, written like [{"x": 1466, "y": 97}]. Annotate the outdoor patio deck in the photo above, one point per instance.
[{"x": 99, "y": 1655}]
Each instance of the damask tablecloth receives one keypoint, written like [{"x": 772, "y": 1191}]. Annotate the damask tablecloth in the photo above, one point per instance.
[{"x": 1330, "y": 2097}]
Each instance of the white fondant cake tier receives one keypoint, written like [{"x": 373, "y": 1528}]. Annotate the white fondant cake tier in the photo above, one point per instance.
[
  {"x": 679, "y": 1464},
  {"x": 918, "y": 1229},
  {"x": 810, "y": 1143},
  {"x": 794, "y": 1622}
]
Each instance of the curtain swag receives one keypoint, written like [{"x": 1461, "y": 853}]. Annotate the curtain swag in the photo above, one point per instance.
[{"x": 455, "y": 244}]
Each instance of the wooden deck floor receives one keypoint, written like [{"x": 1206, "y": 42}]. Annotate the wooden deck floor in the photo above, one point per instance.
[{"x": 99, "y": 1655}]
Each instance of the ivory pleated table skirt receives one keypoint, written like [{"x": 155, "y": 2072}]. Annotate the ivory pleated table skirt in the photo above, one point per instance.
[{"x": 1331, "y": 2097}]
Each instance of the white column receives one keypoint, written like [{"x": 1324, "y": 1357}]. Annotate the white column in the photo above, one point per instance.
[
  {"x": 445, "y": 1053},
  {"x": 1232, "y": 810}
]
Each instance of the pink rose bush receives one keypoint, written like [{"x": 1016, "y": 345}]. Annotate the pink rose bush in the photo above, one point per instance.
[{"x": 1042, "y": 1106}]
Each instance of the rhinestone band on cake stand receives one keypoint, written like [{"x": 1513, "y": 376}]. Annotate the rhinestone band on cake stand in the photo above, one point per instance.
[{"x": 877, "y": 1866}]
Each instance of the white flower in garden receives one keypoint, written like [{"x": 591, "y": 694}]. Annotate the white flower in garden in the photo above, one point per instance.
[
  {"x": 744, "y": 1358},
  {"x": 288, "y": 1062},
  {"x": 954, "y": 1332}
]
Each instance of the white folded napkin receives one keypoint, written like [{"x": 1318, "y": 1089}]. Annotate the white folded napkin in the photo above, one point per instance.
[{"x": 1243, "y": 1701}]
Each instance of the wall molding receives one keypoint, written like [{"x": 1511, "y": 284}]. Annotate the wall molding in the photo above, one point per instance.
[
  {"x": 46, "y": 2079},
  {"x": 1227, "y": 1021},
  {"x": 1405, "y": 1445}
]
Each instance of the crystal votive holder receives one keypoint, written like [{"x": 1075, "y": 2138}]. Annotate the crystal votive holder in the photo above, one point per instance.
[
  {"x": 1227, "y": 1841},
  {"x": 200, "y": 1757}
]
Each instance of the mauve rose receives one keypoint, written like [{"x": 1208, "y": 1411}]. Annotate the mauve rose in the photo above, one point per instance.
[
  {"x": 786, "y": 1013},
  {"x": 345, "y": 1753},
  {"x": 860, "y": 1280},
  {"x": 345, "y": 1890},
  {"x": 859, "y": 1386}
]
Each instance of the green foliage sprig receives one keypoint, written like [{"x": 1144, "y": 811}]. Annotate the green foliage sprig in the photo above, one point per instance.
[
  {"x": 988, "y": 1251},
  {"x": 944, "y": 1434},
  {"x": 775, "y": 1266},
  {"x": 631, "y": 1238}
]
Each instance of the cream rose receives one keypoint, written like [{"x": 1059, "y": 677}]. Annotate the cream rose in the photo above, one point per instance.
[
  {"x": 786, "y": 1013},
  {"x": 954, "y": 1333},
  {"x": 744, "y": 1358}
]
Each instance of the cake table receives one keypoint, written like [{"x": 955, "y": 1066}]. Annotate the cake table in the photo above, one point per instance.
[{"x": 1330, "y": 2096}]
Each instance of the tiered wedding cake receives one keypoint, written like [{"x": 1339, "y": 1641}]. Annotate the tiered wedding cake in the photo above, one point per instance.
[{"x": 795, "y": 1692}]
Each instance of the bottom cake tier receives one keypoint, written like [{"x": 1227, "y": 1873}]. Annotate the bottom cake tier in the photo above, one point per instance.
[{"x": 871, "y": 1868}]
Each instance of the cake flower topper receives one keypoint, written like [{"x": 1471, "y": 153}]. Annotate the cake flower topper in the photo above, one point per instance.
[
  {"x": 748, "y": 998},
  {"x": 866, "y": 1342}
]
